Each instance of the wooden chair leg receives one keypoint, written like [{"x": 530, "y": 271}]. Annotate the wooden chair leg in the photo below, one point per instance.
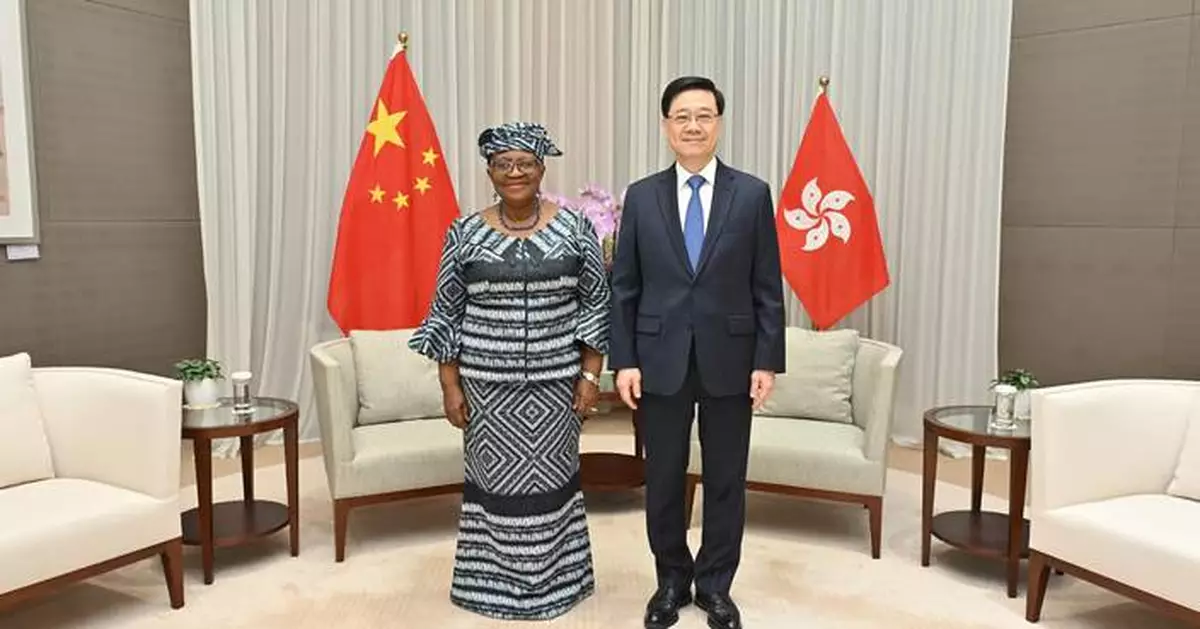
[
  {"x": 689, "y": 497},
  {"x": 172, "y": 563},
  {"x": 1035, "y": 595},
  {"x": 875, "y": 512},
  {"x": 341, "y": 519}
]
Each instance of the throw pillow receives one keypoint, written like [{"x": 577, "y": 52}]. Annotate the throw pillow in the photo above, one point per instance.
[
  {"x": 819, "y": 377},
  {"x": 1186, "y": 483},
  {"x": 394, "y": 382},
  {"x": 24, "y": 449}
]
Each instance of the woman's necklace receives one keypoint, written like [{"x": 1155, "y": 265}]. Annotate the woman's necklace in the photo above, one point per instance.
[{"x": 521, "y": 227}]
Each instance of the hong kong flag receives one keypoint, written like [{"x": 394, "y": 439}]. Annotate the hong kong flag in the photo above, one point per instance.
[{"x": 829, "y": 245}]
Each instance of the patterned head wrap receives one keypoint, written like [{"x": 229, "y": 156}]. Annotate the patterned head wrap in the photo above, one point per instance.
[{"x": 517, "y": 136}]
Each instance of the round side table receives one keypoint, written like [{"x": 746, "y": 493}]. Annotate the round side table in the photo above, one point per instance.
[
  {"x": 982, "y": 533},
  {"x": 242, "y": 521}
]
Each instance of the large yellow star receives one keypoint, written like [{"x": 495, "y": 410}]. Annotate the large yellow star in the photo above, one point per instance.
[
  {"x": 429, "y": 156},
  {"x": 376, "y": 194},
  {"x": 422, "y": 184},
  {"x": 401, "y": 200},
  {"x": 383, "y": 127}
]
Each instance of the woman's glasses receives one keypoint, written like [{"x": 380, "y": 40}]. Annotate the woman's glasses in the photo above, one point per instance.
[{"x": 523, "y": 166}]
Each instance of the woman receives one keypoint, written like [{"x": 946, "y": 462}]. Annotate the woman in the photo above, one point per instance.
[{"x": 519, "y": 327}]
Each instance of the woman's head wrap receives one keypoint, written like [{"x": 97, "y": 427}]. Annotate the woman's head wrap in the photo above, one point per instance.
[{"x": 517, "y": 136}]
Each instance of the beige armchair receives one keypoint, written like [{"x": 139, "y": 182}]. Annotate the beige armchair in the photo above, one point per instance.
[
  {"x": 384, "y": 435},
  {"x": 824, "y": 432},
  {"x": 89, "y": 476},
  {"x": 1115, "y": 484}
]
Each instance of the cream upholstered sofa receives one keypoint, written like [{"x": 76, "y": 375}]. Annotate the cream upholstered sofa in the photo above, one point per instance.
[
  {"x": 384, "y": 435},
  {"x": 1115, "y": 484},
  {"x": 824, "y": 431},
  {"x": 89, "y": 475}
]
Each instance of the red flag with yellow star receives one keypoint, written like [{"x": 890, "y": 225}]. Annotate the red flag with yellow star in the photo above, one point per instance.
[{"x": 398, "y": 204}]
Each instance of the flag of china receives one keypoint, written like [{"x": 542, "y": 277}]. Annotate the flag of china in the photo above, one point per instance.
[
  {"x": 829, "y": 245},
  {"x": 399, "y": 201}
]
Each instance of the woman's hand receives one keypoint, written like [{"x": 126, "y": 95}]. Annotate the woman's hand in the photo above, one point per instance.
[
  {"x": 586, "y": 394},
  {"x": 454, "y": 402}
]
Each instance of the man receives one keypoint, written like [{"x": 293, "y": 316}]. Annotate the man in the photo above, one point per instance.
[{"x": 697, "y": 318}]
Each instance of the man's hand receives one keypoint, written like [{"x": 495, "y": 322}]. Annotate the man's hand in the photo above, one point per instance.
[
  {"x": 454, "y": 404},
  {"x": 629, "y": 385},
  {"x": 761, "y": 383}
]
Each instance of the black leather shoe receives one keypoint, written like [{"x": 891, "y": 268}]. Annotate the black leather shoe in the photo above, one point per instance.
[
  {"x": 722, "y": 613},
  {"x": 663, "y": 609}
]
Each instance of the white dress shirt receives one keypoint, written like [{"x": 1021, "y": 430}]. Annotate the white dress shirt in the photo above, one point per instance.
[{"x": 709, "y": 172}]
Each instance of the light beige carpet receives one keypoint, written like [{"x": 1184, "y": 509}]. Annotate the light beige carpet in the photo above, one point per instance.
[{"x": 805, "y": 565}]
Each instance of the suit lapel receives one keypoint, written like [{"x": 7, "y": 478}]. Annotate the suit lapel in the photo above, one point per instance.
[
  {"x": 668, "y": 203},
  {"x": 718, "y": 215}
]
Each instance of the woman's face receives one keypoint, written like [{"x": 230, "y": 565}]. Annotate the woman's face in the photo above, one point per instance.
[{"x": 516, "y": 176}]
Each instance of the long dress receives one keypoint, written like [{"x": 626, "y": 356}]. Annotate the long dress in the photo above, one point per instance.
[{"x": 512, "y": 311}]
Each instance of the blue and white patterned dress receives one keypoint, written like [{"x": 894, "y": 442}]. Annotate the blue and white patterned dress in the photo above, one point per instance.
[{"x": 513, "y": 311}]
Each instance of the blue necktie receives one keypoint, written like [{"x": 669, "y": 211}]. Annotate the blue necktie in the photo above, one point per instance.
[{"x": 693, "y": 224}]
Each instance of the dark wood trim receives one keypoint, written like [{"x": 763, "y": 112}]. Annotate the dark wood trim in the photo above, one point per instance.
[
  {"x": 873, "y": 504},
  {"x": 170, "y": 551},
  {"x": 1039, "y": 569},
  {"x": 343, "y": 506}
]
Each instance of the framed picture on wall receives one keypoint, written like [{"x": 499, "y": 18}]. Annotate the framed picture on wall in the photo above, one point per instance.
[{"x": 18, "y": 194}]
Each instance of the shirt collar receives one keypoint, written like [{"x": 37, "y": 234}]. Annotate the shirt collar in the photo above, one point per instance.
[{"x": 709, "y": 172}]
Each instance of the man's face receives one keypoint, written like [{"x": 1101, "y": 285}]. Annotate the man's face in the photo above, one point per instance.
[{"x": 692, "y": 125}]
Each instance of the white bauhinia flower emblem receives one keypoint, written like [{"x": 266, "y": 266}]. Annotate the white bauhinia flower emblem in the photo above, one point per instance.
[{"x": 820, "y": 216}]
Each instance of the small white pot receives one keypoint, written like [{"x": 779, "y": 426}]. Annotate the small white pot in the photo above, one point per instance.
[{"x": 201, "y": 393}]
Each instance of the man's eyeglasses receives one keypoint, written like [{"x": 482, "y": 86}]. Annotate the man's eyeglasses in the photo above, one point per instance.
[
  {"x": 703, "y": 118},
  {"x": 524, "y": 166}
]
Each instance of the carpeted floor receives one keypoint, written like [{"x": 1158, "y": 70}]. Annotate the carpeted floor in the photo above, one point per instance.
[{"x": 805, "y": 564}]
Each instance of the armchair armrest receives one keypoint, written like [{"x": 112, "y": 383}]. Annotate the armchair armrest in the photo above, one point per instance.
[
  {"x": 873, "y": 394},
  {"x": 336, "y": 388},
  {"x": 1099, "y": 440},
  {"x": 113, "y": 426}
]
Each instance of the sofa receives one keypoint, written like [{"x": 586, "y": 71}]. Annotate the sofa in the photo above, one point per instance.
[
  {"x": 1115, "y": 491},
  {"x": 89, "y": 476},
  {"x": 384, "y": 435},
  {"x": 824, "y": 431}
]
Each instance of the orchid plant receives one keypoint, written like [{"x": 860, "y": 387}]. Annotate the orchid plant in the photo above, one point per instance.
[{"x": 602, "y": 209}]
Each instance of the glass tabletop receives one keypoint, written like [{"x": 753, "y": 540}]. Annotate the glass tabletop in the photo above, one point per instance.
[
  {"x": 976, "y": 420},
  {"x": 263, "y": 409}
]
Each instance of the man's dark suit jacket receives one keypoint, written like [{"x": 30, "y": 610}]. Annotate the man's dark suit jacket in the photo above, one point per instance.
[{"x": 731, "y": 306}]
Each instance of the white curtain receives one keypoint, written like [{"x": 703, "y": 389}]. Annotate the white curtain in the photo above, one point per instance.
[{"x": 283, "y": 90}]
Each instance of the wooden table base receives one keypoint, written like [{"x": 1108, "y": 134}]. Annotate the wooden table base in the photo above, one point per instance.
[
  {"x": 236, "y": 522},
  {"x": 611, "y": 471}
]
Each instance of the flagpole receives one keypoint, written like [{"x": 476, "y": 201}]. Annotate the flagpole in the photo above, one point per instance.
[{"x": 823, "y": 85}]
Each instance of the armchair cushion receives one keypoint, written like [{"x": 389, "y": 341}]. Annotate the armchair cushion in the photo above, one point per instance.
[
  {"x": 819, "y": 379},
  {"x": 394, "y": 382},
  {"x": 24, "y": 448},
  {"x": 401, "y": 456},
  {"x": 1145, "y": 540},
  {"x": 1186, "y": 483},
  {"x": 66, "y": 524},
  {"x": 819, "y": 454}
]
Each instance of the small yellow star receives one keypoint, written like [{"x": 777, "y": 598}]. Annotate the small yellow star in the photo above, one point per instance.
[
  {"x": 376, "y": 194},
  {"x": 429, "y": 156},
  {"x": 422, "y": 184},
  {"x": 401, "y": 200},
  {"x": 383, "y": 127}
]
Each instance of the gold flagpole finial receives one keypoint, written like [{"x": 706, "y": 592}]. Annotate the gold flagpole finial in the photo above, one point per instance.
[
  {"x": 403, "y": 39},
  {"x": 823, "y": 82}
]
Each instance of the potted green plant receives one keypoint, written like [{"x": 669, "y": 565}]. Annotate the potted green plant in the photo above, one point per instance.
[
  {"x": 200, "y": 376},
  {"x": 1023, "y": 380}
]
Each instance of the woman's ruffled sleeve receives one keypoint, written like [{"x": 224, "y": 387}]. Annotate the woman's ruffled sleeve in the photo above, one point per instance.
[
  {"x": 439, "y": 337},
  {"x": 594, "y": 291}
]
